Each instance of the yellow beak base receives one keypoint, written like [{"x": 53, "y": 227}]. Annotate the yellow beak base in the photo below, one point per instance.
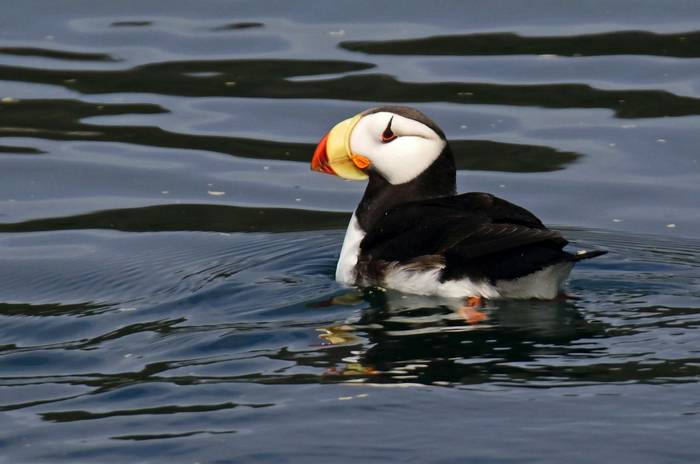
[{"x": 340, "y": 158}]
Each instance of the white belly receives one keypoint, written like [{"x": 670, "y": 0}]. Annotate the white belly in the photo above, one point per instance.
[{"x": 543, "y": 284}]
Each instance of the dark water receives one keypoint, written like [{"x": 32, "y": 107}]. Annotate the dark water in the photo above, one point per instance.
[{"x": 167, "y": 258}]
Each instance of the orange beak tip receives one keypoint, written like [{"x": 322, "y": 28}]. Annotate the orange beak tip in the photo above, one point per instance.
[{"x": 319, "y": 162}]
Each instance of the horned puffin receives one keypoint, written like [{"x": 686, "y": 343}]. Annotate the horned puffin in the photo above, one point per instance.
[{"x": 411, "y": 232}]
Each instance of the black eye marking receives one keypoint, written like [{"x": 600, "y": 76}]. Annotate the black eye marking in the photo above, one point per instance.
[{"x": 388, "y": 135}]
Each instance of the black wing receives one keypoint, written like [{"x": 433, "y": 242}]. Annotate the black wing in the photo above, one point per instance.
[{"x": 474, "y": 234}]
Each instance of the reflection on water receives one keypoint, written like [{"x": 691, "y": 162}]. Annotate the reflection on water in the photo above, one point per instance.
[
  {"x": 55, "y": 54},
  {"x": 415, "y": 341},
  {"x": 209, "y": 218},
  {"x": 680, "y": 45},
  {"x": 272, "y": 79}
]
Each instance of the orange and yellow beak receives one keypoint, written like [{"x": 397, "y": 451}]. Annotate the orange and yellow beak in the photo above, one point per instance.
[{"x": 334, "y": 156}]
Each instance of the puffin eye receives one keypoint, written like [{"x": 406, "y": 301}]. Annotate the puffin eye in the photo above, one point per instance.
[{"x": 388, "y": 135}]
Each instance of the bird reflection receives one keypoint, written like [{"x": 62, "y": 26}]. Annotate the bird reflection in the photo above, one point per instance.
[{"x": 410, "y": 338}]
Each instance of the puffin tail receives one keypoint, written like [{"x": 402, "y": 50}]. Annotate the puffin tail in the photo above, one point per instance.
[{"x": 587, "y": 254}]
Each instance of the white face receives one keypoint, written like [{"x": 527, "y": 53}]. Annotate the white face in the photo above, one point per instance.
[{"x": 401, "y": 160}]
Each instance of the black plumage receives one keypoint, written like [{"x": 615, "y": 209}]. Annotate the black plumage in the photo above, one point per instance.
[
  {"x": 422, "y": 225},
  {"x": 475, "y": 235}
]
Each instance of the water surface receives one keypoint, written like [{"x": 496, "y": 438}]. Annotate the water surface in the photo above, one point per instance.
[{"x": 167, "y": 258}]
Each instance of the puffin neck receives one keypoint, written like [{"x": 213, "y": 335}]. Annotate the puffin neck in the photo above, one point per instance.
[{"x": 439, "y": 180}]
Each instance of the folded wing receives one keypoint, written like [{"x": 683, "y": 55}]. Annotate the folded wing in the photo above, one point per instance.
[{"x": 474, "y": 234}]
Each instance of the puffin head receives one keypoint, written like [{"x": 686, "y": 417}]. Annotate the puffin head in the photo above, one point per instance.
[{"x": 396, "y": 142}]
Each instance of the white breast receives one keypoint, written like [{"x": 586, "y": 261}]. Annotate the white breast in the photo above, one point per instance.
[{"x": 345, "y": 271}]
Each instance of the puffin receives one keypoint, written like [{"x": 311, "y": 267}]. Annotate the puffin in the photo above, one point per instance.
[{"x": 411, "y": 232}]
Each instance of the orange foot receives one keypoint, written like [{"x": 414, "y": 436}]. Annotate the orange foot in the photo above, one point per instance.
[{"x": 470, "y": 313}]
